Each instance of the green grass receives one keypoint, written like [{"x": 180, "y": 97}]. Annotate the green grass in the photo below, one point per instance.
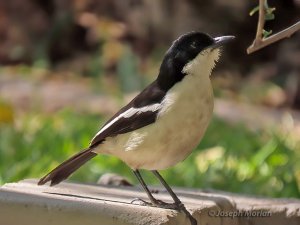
[{"x": 229, "y": 158}]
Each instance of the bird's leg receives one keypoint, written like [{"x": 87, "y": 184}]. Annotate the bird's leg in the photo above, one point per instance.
[
  {"x": 177, "y": 201},
  {"x": 154, "y": 202},
  {"x": 168, "y": 188},
  {"x": 142, "y": 182}
]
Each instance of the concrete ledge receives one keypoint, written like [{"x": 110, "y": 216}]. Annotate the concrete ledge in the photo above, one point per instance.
[{"x": 25, "y": 203}]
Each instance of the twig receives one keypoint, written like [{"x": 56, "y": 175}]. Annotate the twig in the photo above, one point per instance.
[
  {"x": 260, "y": 42},
  {"x": 261, "y": 21}
]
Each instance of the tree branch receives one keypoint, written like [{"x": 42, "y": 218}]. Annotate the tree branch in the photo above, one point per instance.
[
  {"x": 260, "y": 42},
  {"x": 261, "y": 21}
]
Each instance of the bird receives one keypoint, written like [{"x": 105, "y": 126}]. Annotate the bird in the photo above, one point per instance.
[{"x": 165, "y": 122}]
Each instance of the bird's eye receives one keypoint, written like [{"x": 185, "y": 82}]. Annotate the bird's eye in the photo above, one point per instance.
[{"x": 193, "y": 45}]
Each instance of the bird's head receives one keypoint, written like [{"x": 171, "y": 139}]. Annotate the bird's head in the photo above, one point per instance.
[{"x": 192, "y": 53}]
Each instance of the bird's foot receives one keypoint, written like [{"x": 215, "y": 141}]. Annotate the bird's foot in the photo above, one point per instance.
[
  {"x": 161, "y": 204},
  {"x": 158, "y": 203},
  {"x": 138, "y": 201},
  {"x": 165, "y": 205}
]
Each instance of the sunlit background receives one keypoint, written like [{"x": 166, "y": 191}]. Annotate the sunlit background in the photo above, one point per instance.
[{"x": 67, "y": 66}]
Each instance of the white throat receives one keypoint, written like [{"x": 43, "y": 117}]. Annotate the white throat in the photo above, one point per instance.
[{"x": 205, "y": 61}]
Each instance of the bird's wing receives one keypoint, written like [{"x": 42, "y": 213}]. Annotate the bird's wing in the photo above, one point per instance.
[{"x": 140, "y": 112}]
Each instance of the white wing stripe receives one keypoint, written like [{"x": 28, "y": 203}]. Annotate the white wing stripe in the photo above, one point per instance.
[{"x": 130, "y": 112}]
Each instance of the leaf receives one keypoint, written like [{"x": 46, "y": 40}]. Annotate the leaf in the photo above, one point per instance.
[
  {"x": 269, "y": 13},
  {"x": 267, "y": 33},
  {"x": 258, "y": 158},
  {"x": 270, "y": 10},
  {"x": 254, "y": 10},
  {"x": 270, "y": 16}
]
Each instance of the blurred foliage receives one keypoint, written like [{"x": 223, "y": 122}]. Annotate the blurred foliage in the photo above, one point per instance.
[
  {"x": 262, "y": 93},
  {"x": 127, "y": 73},
  {"x": 6, "y": 113},
  {"x": 230, "y": 158}
]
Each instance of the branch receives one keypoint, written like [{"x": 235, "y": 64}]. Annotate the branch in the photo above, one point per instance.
[
  {"x": 260, "y": 42},
  {"x": 261, "y": 21}
]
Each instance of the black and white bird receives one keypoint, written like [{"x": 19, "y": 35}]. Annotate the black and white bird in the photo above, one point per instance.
[{"x": 164, "y": 123}]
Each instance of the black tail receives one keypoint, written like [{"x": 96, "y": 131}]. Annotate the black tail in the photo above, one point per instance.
[{"x": 64, "y": 170}]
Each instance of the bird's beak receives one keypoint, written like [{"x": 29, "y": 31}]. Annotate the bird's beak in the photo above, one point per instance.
[{"x": 220, "y": 41}]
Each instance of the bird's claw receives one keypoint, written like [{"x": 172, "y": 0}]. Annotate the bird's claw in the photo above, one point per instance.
[
  {"x": 140, "y": 202},
  {"x": 158, "y": 203}
]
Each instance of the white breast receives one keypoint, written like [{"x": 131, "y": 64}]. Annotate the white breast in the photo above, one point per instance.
[{"x": 181, "y": 123}]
